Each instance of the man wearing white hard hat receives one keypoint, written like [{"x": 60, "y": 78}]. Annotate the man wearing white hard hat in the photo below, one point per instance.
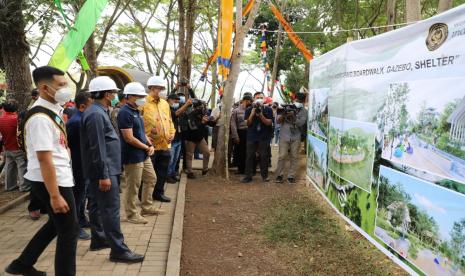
[
  {"x": 136, "y": 150},
  {"x": 101, "y": 160},
  {"x": 160, "y": 130}
]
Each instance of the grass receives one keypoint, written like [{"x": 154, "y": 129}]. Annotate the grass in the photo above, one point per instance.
[{"x": 316, "y": 242}]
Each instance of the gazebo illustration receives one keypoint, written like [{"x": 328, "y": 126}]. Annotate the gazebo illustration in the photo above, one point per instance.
[{"x": 457, "y": 121}]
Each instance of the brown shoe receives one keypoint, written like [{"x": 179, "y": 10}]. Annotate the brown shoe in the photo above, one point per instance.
[
  {"x": 151, "y": 212},
  {"x": 137, "y": 219}
]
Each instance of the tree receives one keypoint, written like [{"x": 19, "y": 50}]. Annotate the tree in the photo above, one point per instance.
[
  {"x": 413, "y": 10},
  {"x": 221, "y": 152},
  {"x": 444, "y": 5},
  {"x": 457, "y": 242},
  {"x": 187, "y": 15},
  {"x": 14, "y": 49}
]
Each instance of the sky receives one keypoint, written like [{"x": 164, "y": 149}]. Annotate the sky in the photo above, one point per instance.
[
  {"x": 444, "y": 205},
  {"x": 437, "y": 94}
]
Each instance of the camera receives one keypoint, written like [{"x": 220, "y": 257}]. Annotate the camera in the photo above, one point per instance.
[
  {"x": 258, "y": 108},
  {"x": 199, "y": 108}
]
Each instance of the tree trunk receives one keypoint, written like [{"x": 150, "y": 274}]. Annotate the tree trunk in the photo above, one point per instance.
[
  {"x": 186, "y": 36},
  {"x": 413, "y": 10},
  {"x": 444, "y": 5},
  {"x": 167, "y": 36},
  {"x": 274, "y": 73},
  {"x": 91, "y": 56},
  {"x": 221, "y": 153},
  {"x": 15, "y": 51},
  {"x": 390, "y": 14}
]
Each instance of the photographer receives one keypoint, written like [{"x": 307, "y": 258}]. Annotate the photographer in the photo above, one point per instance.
[
  {"x": 292, "y": 120},
  {"x": 259, "y": 132},
  {"x": 193, "y": 121}
]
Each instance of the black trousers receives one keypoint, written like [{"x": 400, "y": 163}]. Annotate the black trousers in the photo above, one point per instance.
[
  {"x": 240, "y": 150},
  {"x": 34, "y": 202},
  {"x": 263, "y": 150},
  {"x": 80, "y": 194},
  {"x": 104, "y": 216},
  {"x": 161, "y": 161},
  {"x": 63, "y": 226}
]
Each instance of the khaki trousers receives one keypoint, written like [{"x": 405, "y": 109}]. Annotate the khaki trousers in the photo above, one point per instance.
[
  {"x": 190, "y": 148},
  {"x": 284, "y": 147},
  {"x": 135, "y": 174}
]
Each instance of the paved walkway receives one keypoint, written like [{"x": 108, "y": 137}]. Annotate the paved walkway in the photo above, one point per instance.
[{"x": 152, "y": 239}]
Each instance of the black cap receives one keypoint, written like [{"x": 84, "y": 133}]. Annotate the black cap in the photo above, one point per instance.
[
  {"x": 247, "y": 97},
  {"x": 173, "y": 96}
]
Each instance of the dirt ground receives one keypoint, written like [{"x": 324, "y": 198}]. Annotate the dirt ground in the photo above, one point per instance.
[
  {"x": 271, "y": 229},
  {"x": 6, "y": 197}
]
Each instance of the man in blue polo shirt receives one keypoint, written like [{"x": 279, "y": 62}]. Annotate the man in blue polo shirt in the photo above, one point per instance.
[
  {"x": 259, "y": 133},
  {"x": 136, "y": 149}
]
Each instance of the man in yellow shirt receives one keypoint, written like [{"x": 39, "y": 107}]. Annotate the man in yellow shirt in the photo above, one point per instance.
[{"x": 160, "y": 130}]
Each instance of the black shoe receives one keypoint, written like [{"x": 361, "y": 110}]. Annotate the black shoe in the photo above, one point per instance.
[
  {"x": 127, "y": 257},
  {"x": 83, "y": 235},
  {"x": 17, "y": 269},
  {"x": 191, "y": 175},
  {"x": 171, "y": 180},
  {"x": 247, "y": 179},
  {"x": 204, "y": 172},
  {"x": 162, "y": 198},
  {"x": 96, "y": 246},
  {"x": 266, "y": 179},
  {"x": 177, "y": 177},
  {"x": 291, "y": 180},
  {"x": 279, "y": 179}
]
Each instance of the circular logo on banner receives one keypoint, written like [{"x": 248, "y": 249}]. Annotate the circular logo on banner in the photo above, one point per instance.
[{"x": 437, "y": 35}]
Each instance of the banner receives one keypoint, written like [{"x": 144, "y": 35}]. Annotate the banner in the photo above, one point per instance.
[
  {"x": 225, "y": 32},
  {"x": 290, "y": 32},
  {"x": 73, "y": 42},
  {"x": 386, "y": 140}
]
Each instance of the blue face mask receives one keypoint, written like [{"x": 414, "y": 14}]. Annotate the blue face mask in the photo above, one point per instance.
[
  {"x": 175, "y": 105},
  {"x": 182, "y": 99}
]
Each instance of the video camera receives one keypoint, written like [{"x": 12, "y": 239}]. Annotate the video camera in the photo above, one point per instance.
[{"x": 290, "y": 112}]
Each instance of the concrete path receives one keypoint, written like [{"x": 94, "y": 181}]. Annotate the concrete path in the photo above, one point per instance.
[{"x": 152, "y": 239}]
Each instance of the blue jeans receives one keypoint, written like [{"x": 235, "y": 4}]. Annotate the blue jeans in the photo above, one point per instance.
[
  {"x": 276, "y": 134},
  {"x": 175, "y": 152}
]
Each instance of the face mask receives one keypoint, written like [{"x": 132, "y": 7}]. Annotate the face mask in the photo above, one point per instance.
[
  {"x": 175, "y": 106},
  {"x": 182, "y": 99},
  {"x": 62, "y": 95},
  {"x": 259, "y": 101},
  {"x": 163, "y": 94},
  {"x": 140, "y": 102},
  {"x": 298, "y": 105},
  {"x": 115, "y": 101}
]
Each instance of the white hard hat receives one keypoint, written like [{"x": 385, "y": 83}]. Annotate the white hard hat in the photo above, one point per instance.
[
  {"x": 134, "y": 88},
  {"x": 156, "y": 81},
  {"x": 102, "y": 83}
]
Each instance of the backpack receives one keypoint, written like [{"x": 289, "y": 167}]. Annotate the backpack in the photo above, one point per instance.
[{"x": 21, "y": 136}]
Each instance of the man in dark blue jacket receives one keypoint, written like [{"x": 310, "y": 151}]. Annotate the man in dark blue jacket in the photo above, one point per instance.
[
  {"x": 101, "y": 159},
  {"x": 73, "y": 129}
]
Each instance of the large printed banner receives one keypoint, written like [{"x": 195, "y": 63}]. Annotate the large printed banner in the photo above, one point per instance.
[{"x": 386, "y": 142}]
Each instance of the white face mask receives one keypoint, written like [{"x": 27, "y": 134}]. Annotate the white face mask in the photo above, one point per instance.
[
  {"x": 140, "y": 102},
  {"x": 182, "y": 99},
  {"x": 163, "y": 94},
  {"x": 175, "y": 105},
  {"x": 62, "y": 95},
  {"x": 298, "y": 105},
  {"x": 259, "y": 101}
]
